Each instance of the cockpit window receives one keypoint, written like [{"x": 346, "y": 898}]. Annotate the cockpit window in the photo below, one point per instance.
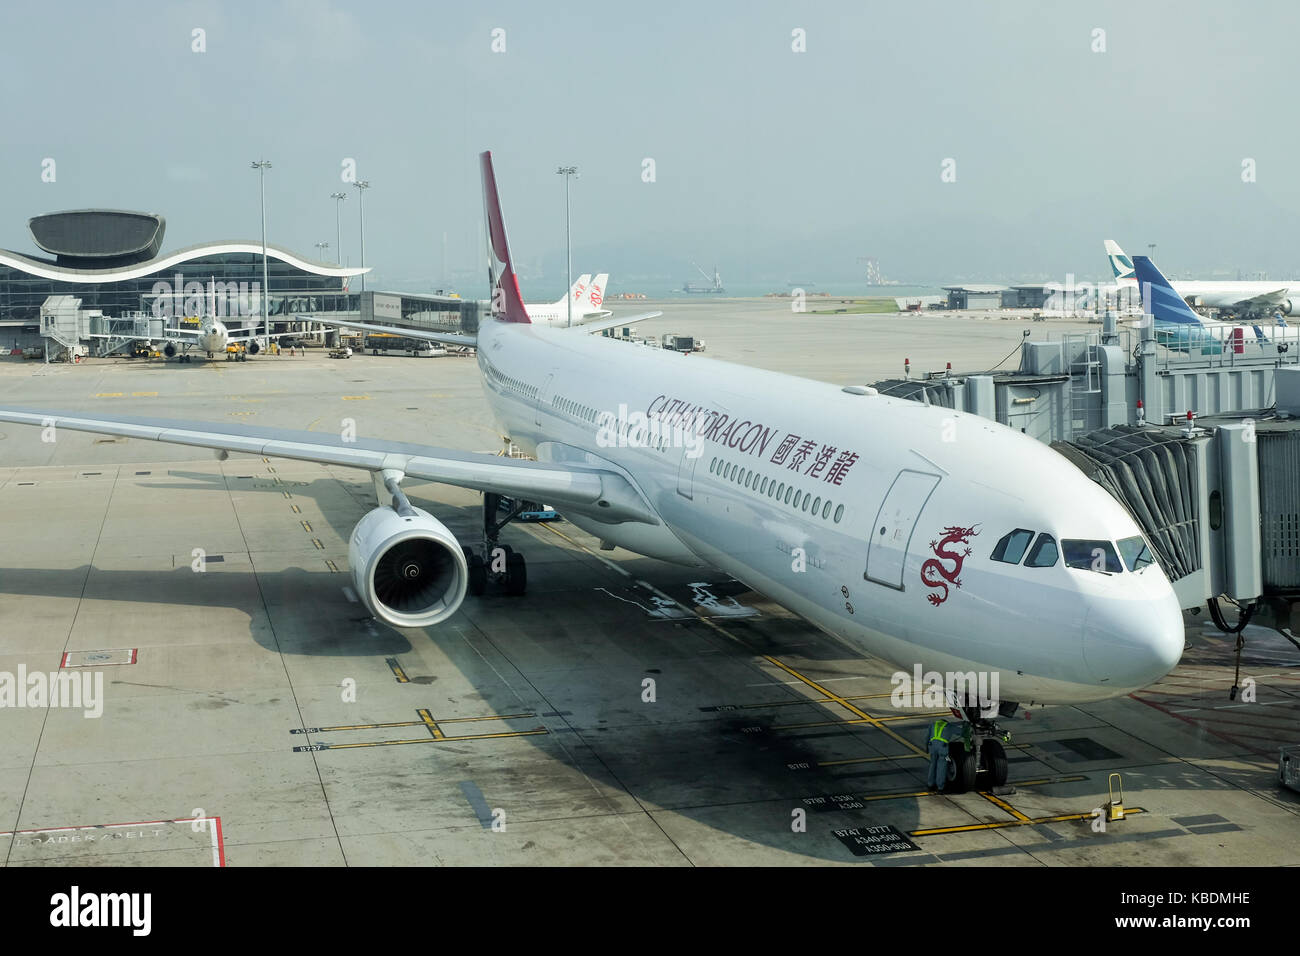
[
  {"x": 1135, "y": 553},
  {"x": 1011, "y": 548},
  {"x": 1043, "y": 554},
  {"x": 1091, "y": 555}
]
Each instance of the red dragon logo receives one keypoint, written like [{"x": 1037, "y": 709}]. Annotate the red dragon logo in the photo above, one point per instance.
[
  {"x": 934, "y": 574},
  {"x": 596, "y": 297}
]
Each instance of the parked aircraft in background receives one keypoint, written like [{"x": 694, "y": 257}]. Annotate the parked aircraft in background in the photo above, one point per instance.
[{"x": 1250, "y": 300}]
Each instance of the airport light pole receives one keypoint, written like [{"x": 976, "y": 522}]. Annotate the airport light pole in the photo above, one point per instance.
[
  {"x": 566, "y": 172},
  {"x": 322, "y": 246},
  {"x": 338, "y": 223},
  {"x": 262, "y": 166},
  {"x": 362, "y": 185}
]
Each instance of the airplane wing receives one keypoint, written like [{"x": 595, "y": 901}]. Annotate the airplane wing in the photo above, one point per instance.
[
  {"x": 241, "y": 335},
  {"x": 613, "y": 322},
  {"x": 1259, "y": 303},
  {"x": 577, "y": 487},
  {"x": 446, "y": 338},
  {"x": 166, "y": 334}
]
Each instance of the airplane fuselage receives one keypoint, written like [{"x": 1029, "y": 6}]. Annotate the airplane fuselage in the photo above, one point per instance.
[
  {"x": 213, "y": 338},
  {"x": 874, "y": 518}
]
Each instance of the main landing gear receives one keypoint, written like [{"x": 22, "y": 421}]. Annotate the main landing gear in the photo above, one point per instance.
[
  {"x": 984, "y": 765},
  {"x": 498, "y": 563}
]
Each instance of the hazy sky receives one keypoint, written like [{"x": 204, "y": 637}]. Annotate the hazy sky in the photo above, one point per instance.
[{"x": 776, "y": 165}]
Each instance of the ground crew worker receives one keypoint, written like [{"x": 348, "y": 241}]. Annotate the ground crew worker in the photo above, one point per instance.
[
  {"x": 938, "y": 773},
  {"x": 942, "y": 732}
]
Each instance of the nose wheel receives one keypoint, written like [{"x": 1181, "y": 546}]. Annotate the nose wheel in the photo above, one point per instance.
[
  {"x": 982, "y": 765},
  {"x": 498, "y": 563}
]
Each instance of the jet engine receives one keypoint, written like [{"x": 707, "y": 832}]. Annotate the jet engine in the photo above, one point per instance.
[
  {"x": 1288, "y": 306},
  {"x": 169, "y": 350},
  {"x": 253, "y": 347},
  {"x": 407, "y": 567}
]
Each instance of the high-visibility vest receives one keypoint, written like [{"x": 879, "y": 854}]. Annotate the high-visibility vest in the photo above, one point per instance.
[{"x": 937, "y": 733}]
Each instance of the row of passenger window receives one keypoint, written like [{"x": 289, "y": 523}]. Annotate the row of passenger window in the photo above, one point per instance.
[
  {"x": 506, "y": 381},
  {"x": 777, "y": 491},
  {"x": 1084, "y": 554},
  {"x": 576, "y": 409}
]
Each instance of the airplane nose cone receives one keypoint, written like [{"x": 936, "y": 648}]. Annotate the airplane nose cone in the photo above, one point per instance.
[{"x": 1131, "y": 644}]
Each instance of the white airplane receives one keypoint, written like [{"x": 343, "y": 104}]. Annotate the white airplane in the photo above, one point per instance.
[
  {"x": 935, "y": 540},
  {"x": 212, "y": 337},
  {"x": 1250, "y": 300},
  {"x": 587, "y": 301}
]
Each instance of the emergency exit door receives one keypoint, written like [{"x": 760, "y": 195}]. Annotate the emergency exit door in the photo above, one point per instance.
[
  {"x": 686, "y": 473},
  {"x": 891, "y": 536}
]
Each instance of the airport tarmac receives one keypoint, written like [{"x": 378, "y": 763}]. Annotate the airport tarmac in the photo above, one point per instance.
[{"x": 625, "y": 711}]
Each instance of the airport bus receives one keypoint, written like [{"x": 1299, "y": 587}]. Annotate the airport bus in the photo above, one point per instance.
[{"x": 382, "y": 343}]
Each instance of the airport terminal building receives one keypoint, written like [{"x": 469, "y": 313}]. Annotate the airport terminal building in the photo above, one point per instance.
[{"x": 110, "y": 262}]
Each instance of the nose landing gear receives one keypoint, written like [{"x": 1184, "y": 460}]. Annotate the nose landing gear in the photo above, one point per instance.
[{"x": 982, "y": 766}]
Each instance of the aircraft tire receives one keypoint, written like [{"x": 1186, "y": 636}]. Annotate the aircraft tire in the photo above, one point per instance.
[
  {"x": 516, "y": 574},
  {"x": 477, "y": 575},
  {"x": 962, "y": 777},
  {"x": 993, "y": 762}
]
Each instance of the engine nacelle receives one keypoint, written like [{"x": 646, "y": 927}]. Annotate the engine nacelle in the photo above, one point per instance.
[
  {"x": 1288, "y": 306},
  {"x": 253, "y": 347},
  {"x": 169, "y": 350},
  {"x": 409, "y": 570}
]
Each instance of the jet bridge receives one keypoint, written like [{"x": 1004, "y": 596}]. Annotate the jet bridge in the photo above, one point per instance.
[{"x": 1217, "y": 498}]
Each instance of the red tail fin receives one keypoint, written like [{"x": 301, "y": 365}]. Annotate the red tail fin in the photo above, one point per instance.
[{"x": 507, "y": 303}]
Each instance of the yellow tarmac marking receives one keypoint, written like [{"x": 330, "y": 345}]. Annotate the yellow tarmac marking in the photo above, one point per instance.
[
  {"x": 851, "y": 708},
  {"x": 834, "y": 723},
  {"x": 836, "y": 763},
  {"x": 1002, "y": 804},
  {"x": 1002, "y": 824},
  {"x": 331, "y": 565},
  {"x": 109, "y": 395},
  {"x": 396, "y": 668},
  {"x": 296, "y": 510},
  {"x": 144, "y": 394},
  {"x": 431, "y": 723},
  {"x": 356, "y": 398},
  {"x": 319, "y": 545},
  {"x": 419, "y": 723},
  {"x": 426, "y": 720},
  {"x": 305, "y": 526},
  {"x": 432, "y": 740}
]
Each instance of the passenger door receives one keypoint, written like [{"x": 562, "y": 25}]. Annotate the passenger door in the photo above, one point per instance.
[{"x": 891, "y": 535}]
